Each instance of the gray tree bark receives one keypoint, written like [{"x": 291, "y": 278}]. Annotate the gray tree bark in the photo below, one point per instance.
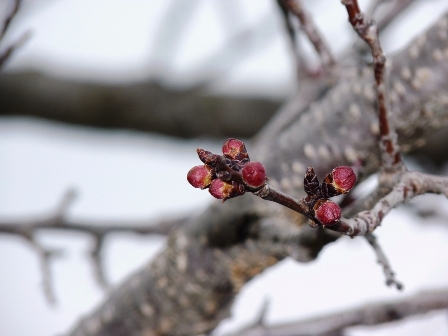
[{"x": 189, "y": 287}]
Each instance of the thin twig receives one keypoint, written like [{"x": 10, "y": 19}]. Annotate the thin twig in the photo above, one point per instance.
[
  {"x": 6, "y": 54},
  {"x": 97, "y": 262},
  {"x": 300, "y": 61},
  {"x": 45, "y": 255},
  {"x": 410, "y": 184},
  {"x": 397, "y": 9},
  {"x": 9, "y": 18},
  {"x": 57, "y": 220},
  {"x": 311, "y": 31},
  {"x": 368, "y": 31},
  {"x": 382, "y": 260}
]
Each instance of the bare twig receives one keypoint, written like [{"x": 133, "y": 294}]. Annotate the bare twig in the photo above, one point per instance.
[
  {"x": 371, "y": 314},
  {"x": 6, "y": 54},
  {"x": 399, "y": 7},
  {"x": 300, "y": 62},
  {"x": 382, "y": 260},
  {"x": 296, "y": 8},
  {"x": 97, "y": 261},
  {"x": 9, "y": 18},
  {"x": 99, "y": 230},
  {"x": 45, "y": 256},
  {"x": 410, "y": 184},
  {"x": 368, "y": 31}
]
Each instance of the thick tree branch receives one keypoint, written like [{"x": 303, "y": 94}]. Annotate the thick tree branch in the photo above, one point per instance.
[
  {"x": 190, "y": 285},
  {"x": 145, "y": 106}
]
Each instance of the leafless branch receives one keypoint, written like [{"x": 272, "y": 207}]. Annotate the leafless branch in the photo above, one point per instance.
[
  {"x": 382, "y": 260},
  {"x": 57, "y": 220},
  {"x": 368, "y": 31},
  {"x": 397, "y": 9},
  {"x": 147, "y": 107},
  {"x": 371, "y": 314},
  {"x": 9, "y": 18},
  {"x": 411, "y": 184},
  {"x": 45, "y": 257},
  {"x": 189, "y": 287},
  {"x": 296, "y": 8},
  {"x": 8, "y": 52}
]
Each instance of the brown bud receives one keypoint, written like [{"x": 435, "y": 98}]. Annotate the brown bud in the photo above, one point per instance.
[
  {"x": 327, "y": 212},
  {"x": 311, "y": 183},
  {"x": 200, "y": 176},
  {"x": 224, "y": 190},
  {"x": 207, "y": 157},
  {"x": 234, "y": 149}
]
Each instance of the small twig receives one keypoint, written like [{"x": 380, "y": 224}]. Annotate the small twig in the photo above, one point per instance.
[
  {"x": 57, "y": 220},
  {"x": 296, "y": 8},
  {"x": 6, "y": 54},
  {"x": 9, "y": 18},
  {"x": 269, "y": 193},
  {"x": 410, "y": 184},
  {"x": 368, "y": 31},
  {"x": 97, "y": 262},
  {"x": 299, "y": 58},
  {"x": 45, "y": 256},
  {"x": 399, "y": 7},
  {"x": 374, "y": 6},
  {"x": 382, "y": 260}
]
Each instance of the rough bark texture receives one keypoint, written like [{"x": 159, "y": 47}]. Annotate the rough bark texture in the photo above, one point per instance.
[{"x": 190, "y": 286}]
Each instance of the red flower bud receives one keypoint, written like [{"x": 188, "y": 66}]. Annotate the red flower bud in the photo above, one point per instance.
[
  {"x": 200, "y": 176},
  {"x": 254, "y": 174},
  {"x": 327, "y": 212},
  {"x": 340, "y": 181},
  {"x": 234, "y": 149},
  {"x": 224, "y": 190},
  {"x": 344, "y": 179}
]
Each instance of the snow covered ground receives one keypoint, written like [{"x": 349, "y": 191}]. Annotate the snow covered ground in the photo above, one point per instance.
[{"x": 127, "y": 175}]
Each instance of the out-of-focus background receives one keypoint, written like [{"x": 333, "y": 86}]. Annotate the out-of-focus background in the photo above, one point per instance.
[{"x": 220, "y": 47}]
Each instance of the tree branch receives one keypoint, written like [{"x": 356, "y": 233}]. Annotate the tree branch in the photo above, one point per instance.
[
  {"x": 189, "y": 288},
  {"x": 371, "y": 314},
  {"x": 57, "y": 220},
  {"x": 295, "y": 7},
  {"x": 148, "y": 107}
]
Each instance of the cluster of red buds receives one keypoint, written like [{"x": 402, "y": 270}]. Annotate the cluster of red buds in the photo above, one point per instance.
[
  {"x": 232, "y": 174},
  {"x": 229, "y": 175},
  {"x": 340, "y": 181}
]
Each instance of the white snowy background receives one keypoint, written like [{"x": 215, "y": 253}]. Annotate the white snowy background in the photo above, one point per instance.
[{"x": 129, "y": 175}]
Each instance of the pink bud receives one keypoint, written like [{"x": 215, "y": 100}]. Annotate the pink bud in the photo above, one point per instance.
[
  {"x": 234, "y": 149},
  {"x": 224, "y": 190},
  {"x": 200, "y": 176},
  {"x": 344, "y": 179},
  {"x": 254, "y": 174},
  {"x": 327, "y": 212}
]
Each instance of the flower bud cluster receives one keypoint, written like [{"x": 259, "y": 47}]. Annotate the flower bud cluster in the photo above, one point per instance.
[
  {"x": 340, "y": 181},
  {"x": 229, "y": 175}
]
